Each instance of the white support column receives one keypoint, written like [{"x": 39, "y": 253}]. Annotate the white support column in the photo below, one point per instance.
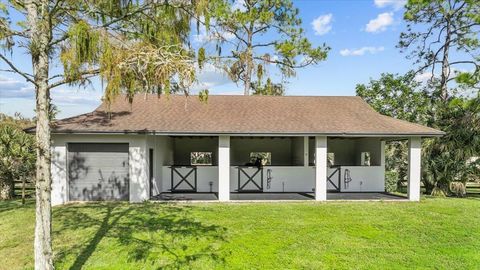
[
  {"x": 224, "y": 168},
  {"x": 306, "y": 150},
  {"x": 414, "y": 166},
  {"x": 320, "y": 168}
]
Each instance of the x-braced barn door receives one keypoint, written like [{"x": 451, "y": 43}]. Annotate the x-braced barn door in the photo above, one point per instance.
[
  {"x": 250, "y": 179},
  {"x": 183, "y": 178},
  {"x": 336, "y": 186}
]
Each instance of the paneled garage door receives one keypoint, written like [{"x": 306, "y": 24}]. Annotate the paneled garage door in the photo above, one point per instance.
[{"x": 98, "y": 171}]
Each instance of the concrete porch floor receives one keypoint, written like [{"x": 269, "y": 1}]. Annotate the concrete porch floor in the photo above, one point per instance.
[{"x": 280, "y": 196}]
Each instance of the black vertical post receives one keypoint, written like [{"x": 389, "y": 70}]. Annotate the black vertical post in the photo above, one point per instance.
[
  {"x": 238, "y": 169},
  {"x": 261, "y": 176},
  {"x": 195, "y": 174},
  {"x": 171, "y": 178},
  {"x": 339, "y": 179},
  {"x": 150, "y": 169}
]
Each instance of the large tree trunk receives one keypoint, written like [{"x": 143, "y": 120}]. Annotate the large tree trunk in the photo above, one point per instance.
[
  {"x": 6, "y": 188},
  {"x": 40, "y": 35},
  {"x": 445, "y": 64},
  {"x": 249, "y": 57},
  {"x": 43, "y": 239},
  {"x": 248, "y": 76}
]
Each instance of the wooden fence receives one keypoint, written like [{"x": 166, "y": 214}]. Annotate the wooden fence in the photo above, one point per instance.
[{"x": 29, "y": 189}]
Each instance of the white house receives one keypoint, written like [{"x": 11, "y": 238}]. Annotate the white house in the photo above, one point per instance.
[{"x": 230, "y": 147}]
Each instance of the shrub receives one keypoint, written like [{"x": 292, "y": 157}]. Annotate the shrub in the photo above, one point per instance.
[
  {"x": 438, "y": 192},
  {"x": 391, "y": 181}
]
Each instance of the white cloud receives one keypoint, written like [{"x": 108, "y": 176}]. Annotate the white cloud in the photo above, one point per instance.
[
  {"x": 203, "y": 36},
  {"x": 213, "y": 35},
  {"x": 10, "y": 88},
  {"x": 209, "y": 77},
  {"x": 427, "y": 75},
  {"x": 361, "y": 51},
  {"x": 380, "y": 23},
  {"x": 72, "y": 97},
  {"x": 396, "y": 4},
  {"x": 322, "y": 24},
  {"x": 423, "y": 77}
]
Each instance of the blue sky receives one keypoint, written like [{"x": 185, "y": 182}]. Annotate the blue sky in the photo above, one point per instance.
[{"x": 362, "y": 35}]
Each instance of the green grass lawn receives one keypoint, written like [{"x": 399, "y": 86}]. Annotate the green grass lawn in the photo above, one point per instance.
[{"x": 432, "y": 234}]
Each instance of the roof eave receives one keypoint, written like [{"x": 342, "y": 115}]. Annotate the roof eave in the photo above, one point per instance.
[{"x": 253, "y": 134}]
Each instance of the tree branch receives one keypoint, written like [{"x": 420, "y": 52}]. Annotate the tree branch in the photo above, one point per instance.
[
  {"x": 13, "y": 71},
  {"x": 264, "y": 44},
  {"x": 464, "y": 62},
  {"x": 260, "y": 29},
  {"x": 27, "y": 76},
  {"x": 85, "y": 75},
  {"x": 290, "y": 65},
  {"x": 107, "y": 24}
]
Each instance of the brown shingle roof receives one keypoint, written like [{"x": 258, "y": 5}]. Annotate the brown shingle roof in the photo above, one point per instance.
[{"x": 241, "y": 115}]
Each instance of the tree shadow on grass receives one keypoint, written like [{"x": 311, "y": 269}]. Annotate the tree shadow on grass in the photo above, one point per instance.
[
  {"x": 15, "y": 204},
  {"x": 158, "y": 236}
]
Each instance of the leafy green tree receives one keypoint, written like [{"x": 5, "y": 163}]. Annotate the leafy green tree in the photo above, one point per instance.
[
  {"x": 406, "y": 97},
  {"x": 268, "y": 89},
  {"x": 401, "y": 97},
  {"x": 444, "y": 159},
  {"x": 448, "y": 158},
  {"x": 17, "y": 154},
  {"x": 132, "y": 45},
  {"x": 443, "y": 35},
  {"x": 260, "y": 34}
]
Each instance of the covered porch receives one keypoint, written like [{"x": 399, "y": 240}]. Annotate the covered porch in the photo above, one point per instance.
[{"x": 273, "y": 168}]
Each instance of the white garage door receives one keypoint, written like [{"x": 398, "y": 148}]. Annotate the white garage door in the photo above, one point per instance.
[{"x": 98, "y": 171}]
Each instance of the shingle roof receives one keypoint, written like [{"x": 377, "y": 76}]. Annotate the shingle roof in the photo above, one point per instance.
[{"x": 241, "y": 115}]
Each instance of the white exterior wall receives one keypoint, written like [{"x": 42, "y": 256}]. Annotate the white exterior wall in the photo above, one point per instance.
[
  {"x": 364, "y": 179},
  {"x": 138, "y": 154},
  {"x": 163, "y": 158},
  {"x": 283, "y": 178},
  {"x": 288, "y": 179},
  {"x": 205, "y": 175}
]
